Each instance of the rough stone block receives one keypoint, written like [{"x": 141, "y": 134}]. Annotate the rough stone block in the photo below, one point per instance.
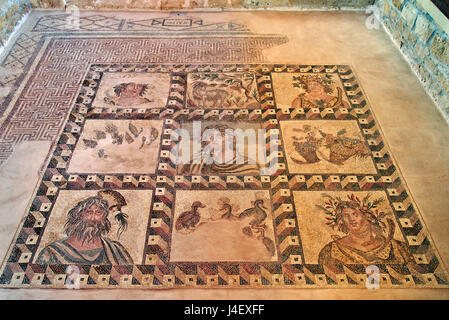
[
  {"x": 408, "y": 34},
  {"x": 3, "y": 23},
  {"x": 53, "y": 3},
  {"x": 436, "y": 86},
  {"x": 421, "y": 51},
  {"x": 423, "y": 28},
  {"x": 444, "y": 82},
  {"x": 397, "y": 3},
  {"x": 12, "y": 23},
  {"x": 11, "y": 11},
  {"x": 387, "y": 8},
  {"x": 409, "y": 13},
  {"x": 393, "y": 14},
  {"x": 440, "y": 48},
  {"x": 431, "y": 66},
  {"x": 34, "y": 3},
  {"x": 400, "y": 24}
]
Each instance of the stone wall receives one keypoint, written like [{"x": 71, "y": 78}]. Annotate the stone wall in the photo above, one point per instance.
[
  {"x": 422, "y": 37},
  {"x": 156, "y": 4},
  {"x": 11, "y": 11},
  {"x": 218, "y": 4},
  {"x": 308, "y": 4},
  {"x": 202, "y": 4}
]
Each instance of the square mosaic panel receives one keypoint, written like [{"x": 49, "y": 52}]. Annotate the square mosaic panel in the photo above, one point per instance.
[{"x": 322, "y": 206}]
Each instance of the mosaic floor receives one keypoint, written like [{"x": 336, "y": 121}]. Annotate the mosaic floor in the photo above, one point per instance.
[{"x": 320, "y": 203}]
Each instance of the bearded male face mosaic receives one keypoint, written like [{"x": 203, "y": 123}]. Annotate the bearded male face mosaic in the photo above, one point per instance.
[{"x": 96, "y": 227}]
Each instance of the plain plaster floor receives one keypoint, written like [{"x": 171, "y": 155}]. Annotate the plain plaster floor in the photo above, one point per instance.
[{"x": 414, "y": 129}]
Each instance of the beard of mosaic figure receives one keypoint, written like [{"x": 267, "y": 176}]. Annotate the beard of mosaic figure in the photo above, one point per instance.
[
  {"x": 365, "y": 241},
  {"x": 86, "y": 227},
  {"x": 87, "y": 222}
]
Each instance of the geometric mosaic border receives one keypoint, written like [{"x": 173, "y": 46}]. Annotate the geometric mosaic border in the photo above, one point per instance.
[{"x": 156, "y": 270}]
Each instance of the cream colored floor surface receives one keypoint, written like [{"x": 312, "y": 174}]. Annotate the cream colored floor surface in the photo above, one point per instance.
[{"x": 416, "y": 132}]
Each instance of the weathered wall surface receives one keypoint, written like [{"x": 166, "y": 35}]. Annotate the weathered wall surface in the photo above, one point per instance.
[
  {"x": 192, "y": 4},
  {"x": 424, "y": 41},
  {"x": 11, "y": 11},
  {"x": 155, "y": 4},
  {"x": 308, "y": 4}
]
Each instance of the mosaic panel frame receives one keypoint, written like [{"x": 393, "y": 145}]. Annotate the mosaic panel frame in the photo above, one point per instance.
[{"x": 156, "y": 271}]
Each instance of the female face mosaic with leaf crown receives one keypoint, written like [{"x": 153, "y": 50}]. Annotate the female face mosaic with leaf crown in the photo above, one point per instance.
[{"x": 353, "y": 219}]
